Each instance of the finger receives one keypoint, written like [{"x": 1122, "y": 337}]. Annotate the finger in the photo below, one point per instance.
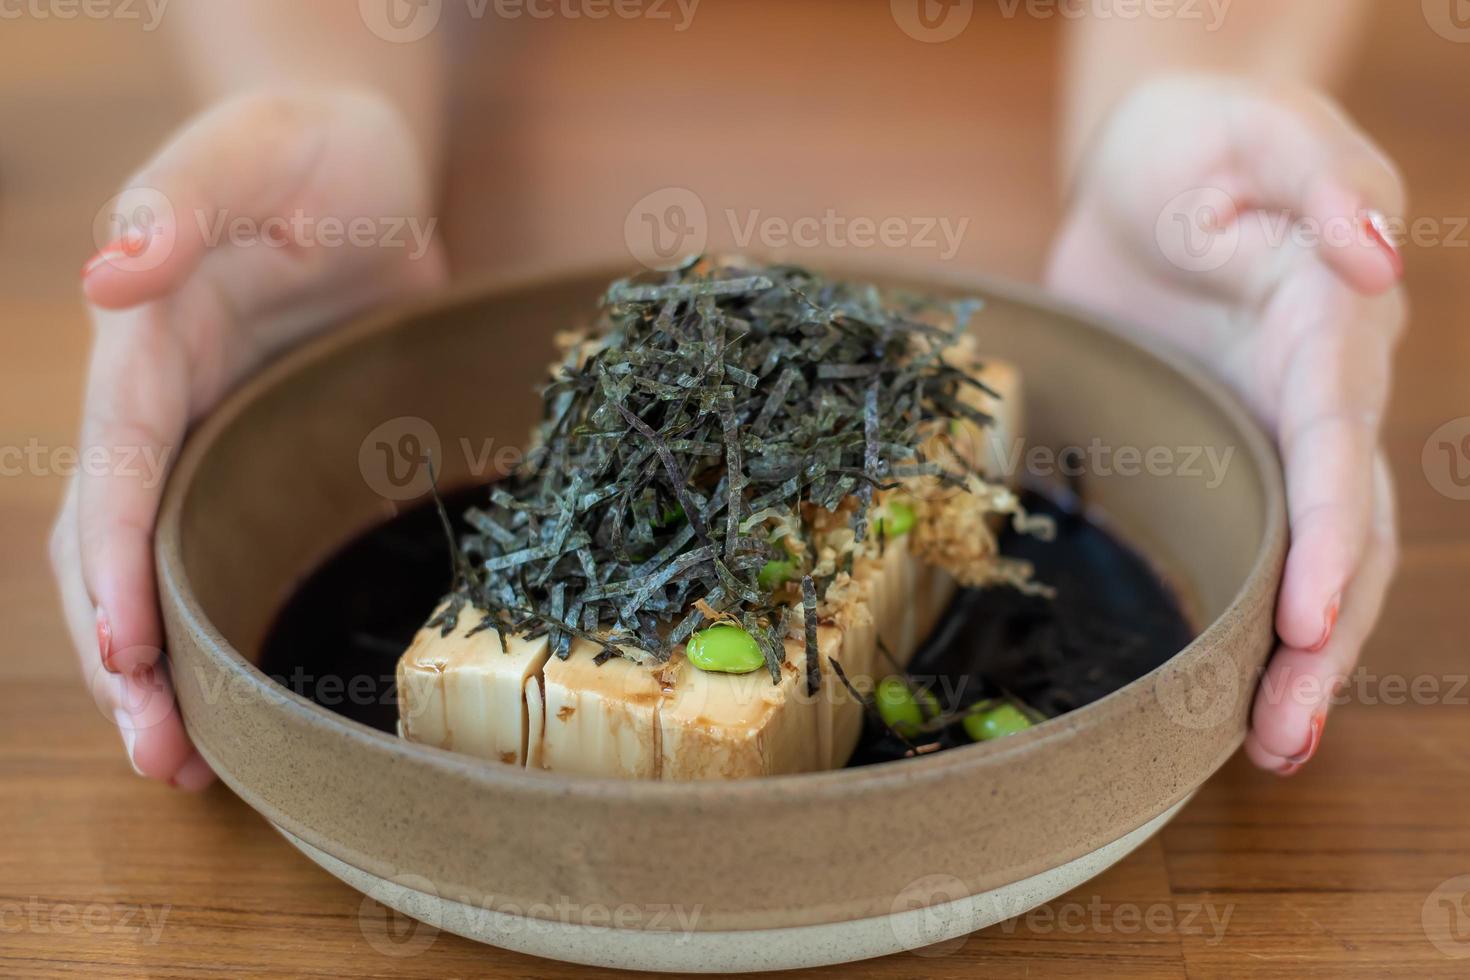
[
  {"x": 1300, "y": 153},
  {"x": 242, "y": 159},
  {"x": 136, "y": 409},
  {"x": 141, "y": 704},
  {"x": 1334, "y": 390},
  {"x": 1291, "y": 705}
]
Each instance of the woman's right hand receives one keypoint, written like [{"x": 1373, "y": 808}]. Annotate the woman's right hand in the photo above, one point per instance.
[{"x": 264, "y": 221}]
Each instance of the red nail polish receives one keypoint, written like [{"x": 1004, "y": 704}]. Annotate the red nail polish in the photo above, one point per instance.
[
  {"x": 1319, "y": 721},
  {"x": 104, "y": 639},
  {"x": 1329, "y": 620},
  {"x": 1376, "y": 228},
  {"x": 1288, "y": 769}
]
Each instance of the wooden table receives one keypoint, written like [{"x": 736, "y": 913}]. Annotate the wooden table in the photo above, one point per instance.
[{"x": 1333, "y": 873}]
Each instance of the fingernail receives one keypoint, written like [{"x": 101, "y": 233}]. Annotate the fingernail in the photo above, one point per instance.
[
  {"x": 1376, "y": 227},
  {"x": 104, "y": 639},
  {"x": 1329, "y": 620},
  {"x": 115, "y": 251},
  {"x": 1288, "y": 769},
  {"x": 129, "y": 735},
  {"x": 1319, "y": 721}
]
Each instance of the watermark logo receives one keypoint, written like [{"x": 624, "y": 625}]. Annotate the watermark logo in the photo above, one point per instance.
[
  {"x": 401, "y": 934},
  {"x": 401, "y": 21},
  {"x": 1446, "y": 917},
  {"x": 1099, "y": 917},
  {"x": 134, "y": 230},
  {"x": 406, "y": 21},
  {"x": 937, "y": 21},
  {"x": 1196, "y": 231},
  {"x": 41, "y": 916},
  {"x": 148, "y": 12},
  {"x": 1209, "y": 13},
  {"x": 146, "y": 464},
  {"x": 666, "y": 227},
  {"x": 932, "y": 21},
  {"x": 833, "y": 230},
  {"x": 926, "y": 919},
  {"x": 1201, "y": 230},
  {"x": 1204, "y": 696},
  {"x": 396, "y": 458},
  {"x": 299, "y": 229},
  {"x": 1446, "y": 459},
  {"x": 1450, "y": 19}
]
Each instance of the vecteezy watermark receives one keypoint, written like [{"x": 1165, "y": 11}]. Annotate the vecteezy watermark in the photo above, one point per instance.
[
  {"x": 147, "y": 464},
  {"x": 1197, "y": 230},
  {"x": 403, "y": 915},
  {"x": 1446, "y": 459},
  {"x": 1446, "y": 917},
  {"x": 1202, "y": 229},
  {"x": 937, "y": 21},
  {"x": 1098, "y": 917},
  {"x": 134, "y": 230},
  {"x": 137, "y": 230},
  {"x": 396, "y": 457},
  {"x": 406, "y": 21},
  {"x": 1209, "y": 13},
  {"x": 1203, "y": 695},
  {"x": 1450, "y": 19},
  {"x": 928, "y": 915},
  {"x": 932, "y": 917},
  {"x": 1212, "y": 692},
  {"x": 1097, "y": 458},
  {"x": 932, "y": 21},
  {"x": 664, "y": 228},
  {"x": 302, "y": 230},
  {"x": 832, "y": 230},
  {"x": 148, "y": 13},
  {"x": 44, "y": 916}
]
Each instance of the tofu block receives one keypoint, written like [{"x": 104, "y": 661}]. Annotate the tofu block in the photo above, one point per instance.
[
  {"x": 729, "y": 726},
  {"x": 464, "y": 692},
  {"x": 630, "y": 718},
  {"x": 599, "y": 720}
]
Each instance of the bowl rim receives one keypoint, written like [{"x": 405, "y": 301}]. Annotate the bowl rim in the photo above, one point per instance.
[{"x": 837, "y": 784}]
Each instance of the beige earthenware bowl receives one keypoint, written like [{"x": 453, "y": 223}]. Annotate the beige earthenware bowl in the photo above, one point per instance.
[{"x": 780, "y": 872}]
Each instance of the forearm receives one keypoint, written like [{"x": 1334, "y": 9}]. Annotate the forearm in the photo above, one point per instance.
[
  {"x": 234, "y": 47},
  {"x": 1299, "y": 41}
]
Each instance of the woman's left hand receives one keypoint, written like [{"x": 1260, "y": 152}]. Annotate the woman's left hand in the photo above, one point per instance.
[{"x": 1244, "y": 226}]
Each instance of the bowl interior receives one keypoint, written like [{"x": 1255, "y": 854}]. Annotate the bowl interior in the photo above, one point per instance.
[{"x": 322, "y": 445}]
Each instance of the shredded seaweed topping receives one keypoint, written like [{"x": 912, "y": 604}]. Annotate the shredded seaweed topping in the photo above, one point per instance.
[{"x": 691, "y": 437}]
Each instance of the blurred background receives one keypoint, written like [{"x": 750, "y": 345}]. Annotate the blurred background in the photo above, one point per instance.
[{"x": 559, "y": 131}]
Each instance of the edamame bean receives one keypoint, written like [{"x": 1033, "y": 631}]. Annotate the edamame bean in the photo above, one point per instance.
[
  {"x": 996, "y": 722},
  {"x": 903, "y": 708},
  {"x": 671, "y": 515},
  {"x": 895, "y": 519},
  {"x": 726, "y": 649},
  {"x": 775, "y": 574}
]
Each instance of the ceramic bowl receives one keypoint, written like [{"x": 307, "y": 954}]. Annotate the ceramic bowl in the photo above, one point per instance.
[{"x": 711, "y": 876}]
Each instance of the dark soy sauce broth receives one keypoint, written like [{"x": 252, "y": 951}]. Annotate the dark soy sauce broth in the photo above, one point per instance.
[{"x": 338, "y": 638}]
